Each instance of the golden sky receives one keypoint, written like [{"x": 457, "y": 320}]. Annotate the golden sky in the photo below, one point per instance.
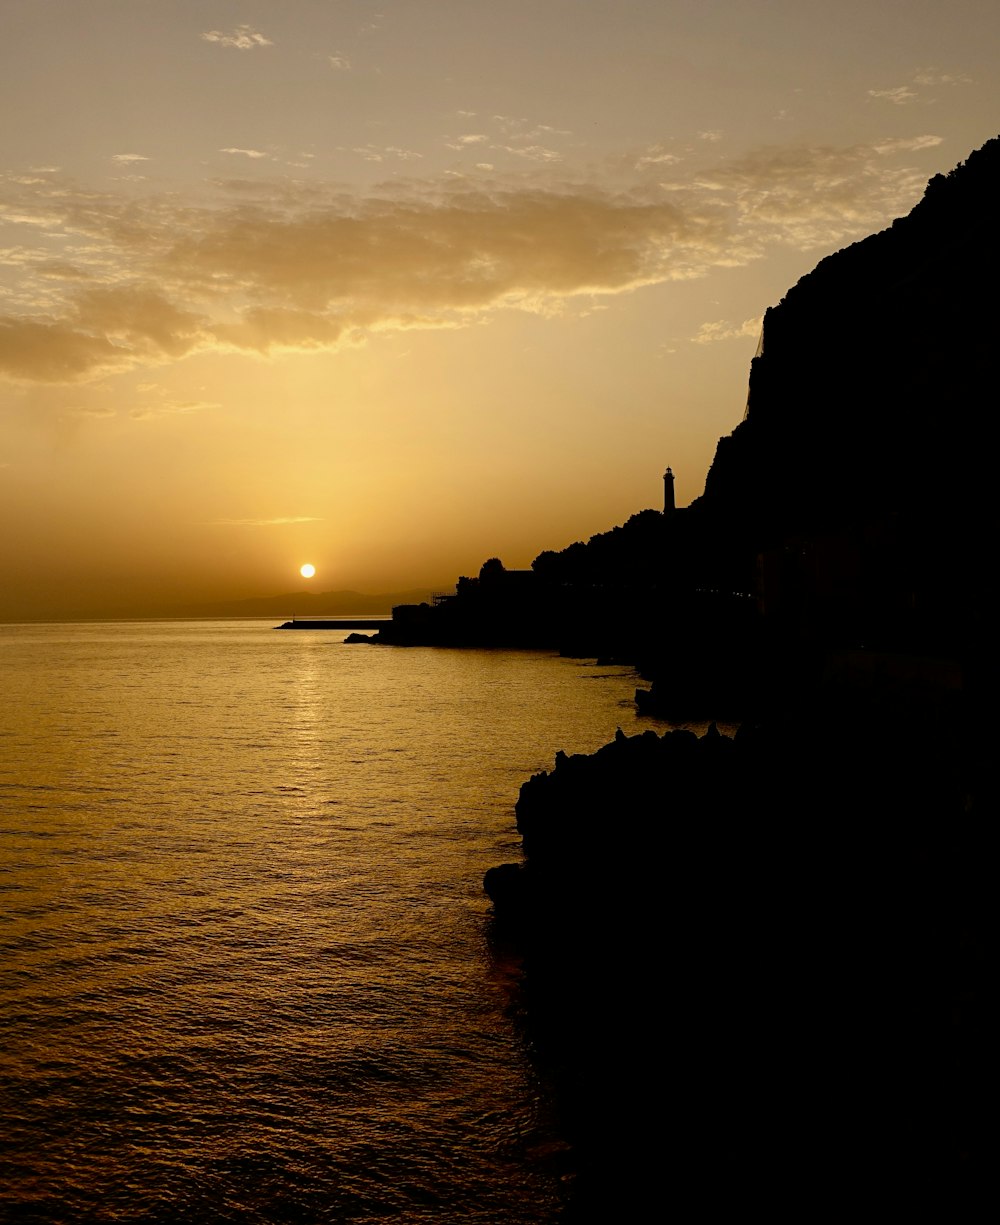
[{"x": 396, "y": 286}]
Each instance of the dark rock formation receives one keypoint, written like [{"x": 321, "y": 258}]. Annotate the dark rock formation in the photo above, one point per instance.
[
  {"x": 860, "y": 473},
  {"x": 757, "y": 968}
]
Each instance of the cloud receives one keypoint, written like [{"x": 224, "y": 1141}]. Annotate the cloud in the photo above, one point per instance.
[
  {"x": 340, "y": 62},
  {"x": 901, "y": 95},
  {"x": 811, "y": 196},
  {"x": 462, "y": 142},
  {"x": 58, "y": 270},
  {"x": 49, "y": 350},
  {"x": 262, "y": 330},
  {"x": 177, "y": 408},
  {"x": 374, "y": 153},
  {"x": 253, "y": 153},
  {"x": 243, "y": 38},
  {"x": 907, "y": 144},
  {"x": 262, "y": 280},
  {"x": 277, "y": 265},
  {"x": 656, "y": 155},
  {"x": 92, "y": 412},
  {"x": 533, "y": 153},
  {"x": 128, "y": 158},
  {"x": 104, "y": 331},
  {"x": 515, "y": 128},
  {"x": 138, "y": 320},
  {"x": 461, "y": 252},
  {"x": 932, "y": 76},
  {"x": 722, "y": 329}
]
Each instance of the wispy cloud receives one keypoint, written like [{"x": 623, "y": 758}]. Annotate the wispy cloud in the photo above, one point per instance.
[
  {"x": 914, "y": 89},
  {"x": 532, "y": 153},
  {"x": 933, "y": 76},
  {"x": 127, "y": 158},
  {"x": 243, "y": 38},
  {"x": 177, "y": 408},
  {"x": 818, "y": 195},
  {"x": 901, "y": 95},
  {"x": 340, "y": 62},
  {"x": 381, "y": 153},
  {"x": 515, "y": 128},
  {"x": 722, "y": 329},
  {"x": 656, "y": 155},
  {"x": 92, "y": 412},
  {"x": 907, "y": 144},
  {"x": 463, "y": 142},
  {"x": 252, "y": 153},
  {"x": 280, "y": 265}
]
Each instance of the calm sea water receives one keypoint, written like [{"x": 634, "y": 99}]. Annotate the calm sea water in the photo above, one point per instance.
[{"x": 246, "y": 967}]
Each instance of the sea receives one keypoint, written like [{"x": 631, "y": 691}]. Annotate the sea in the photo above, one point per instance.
[{"x": 248, "y": 967}]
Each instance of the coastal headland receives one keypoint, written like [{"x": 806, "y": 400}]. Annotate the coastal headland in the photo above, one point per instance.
[{"x": 755, "y": 967}]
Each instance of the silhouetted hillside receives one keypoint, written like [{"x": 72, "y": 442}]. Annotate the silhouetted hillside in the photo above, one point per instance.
[
  {"x": 772, "y": 950},
  {"x": 852, "y": 509},
  {"x": 865, "y": 446},
  {"x": 855, "y": 500},
  {"x": 876, "y": 370}
]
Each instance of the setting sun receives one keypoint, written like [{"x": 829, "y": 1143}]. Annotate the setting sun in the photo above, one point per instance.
[{"x": 307, "y": 571}]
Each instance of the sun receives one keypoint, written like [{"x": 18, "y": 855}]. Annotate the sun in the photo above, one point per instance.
[{"x": 307, "y": 571}]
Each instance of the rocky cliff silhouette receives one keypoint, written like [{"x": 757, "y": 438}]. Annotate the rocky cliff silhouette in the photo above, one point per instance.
[
  {"x": 865, "y": 437},
  {"x": 875, "y": 372},
  {"x": 855, "y": 500},
  {"x": 756, "y": 968}
]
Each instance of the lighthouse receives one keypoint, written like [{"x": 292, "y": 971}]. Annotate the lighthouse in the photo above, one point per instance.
[{"x": 668, "y": 492}]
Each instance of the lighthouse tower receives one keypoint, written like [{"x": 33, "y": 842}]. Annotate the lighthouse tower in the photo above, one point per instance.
[{"x": 668, "y": 492}]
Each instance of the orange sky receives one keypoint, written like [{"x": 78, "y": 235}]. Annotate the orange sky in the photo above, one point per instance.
[{"x": 396, "y": 287}]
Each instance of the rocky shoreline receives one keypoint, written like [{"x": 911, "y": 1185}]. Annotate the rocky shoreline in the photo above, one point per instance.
[{"x": 754, "y": 968}]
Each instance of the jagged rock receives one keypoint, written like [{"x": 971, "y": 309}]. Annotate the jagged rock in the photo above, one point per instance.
[{"x": 764, "y": 940}]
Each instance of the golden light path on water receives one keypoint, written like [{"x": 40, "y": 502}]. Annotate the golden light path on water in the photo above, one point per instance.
[{"x": 252, "y": 973}]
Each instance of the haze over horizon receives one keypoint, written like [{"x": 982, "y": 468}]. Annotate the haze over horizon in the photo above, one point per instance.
[{"x": 395, "y": 288}]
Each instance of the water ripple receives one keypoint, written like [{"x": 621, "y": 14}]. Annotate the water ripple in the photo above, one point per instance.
[{"x": 245, "y": 973}]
